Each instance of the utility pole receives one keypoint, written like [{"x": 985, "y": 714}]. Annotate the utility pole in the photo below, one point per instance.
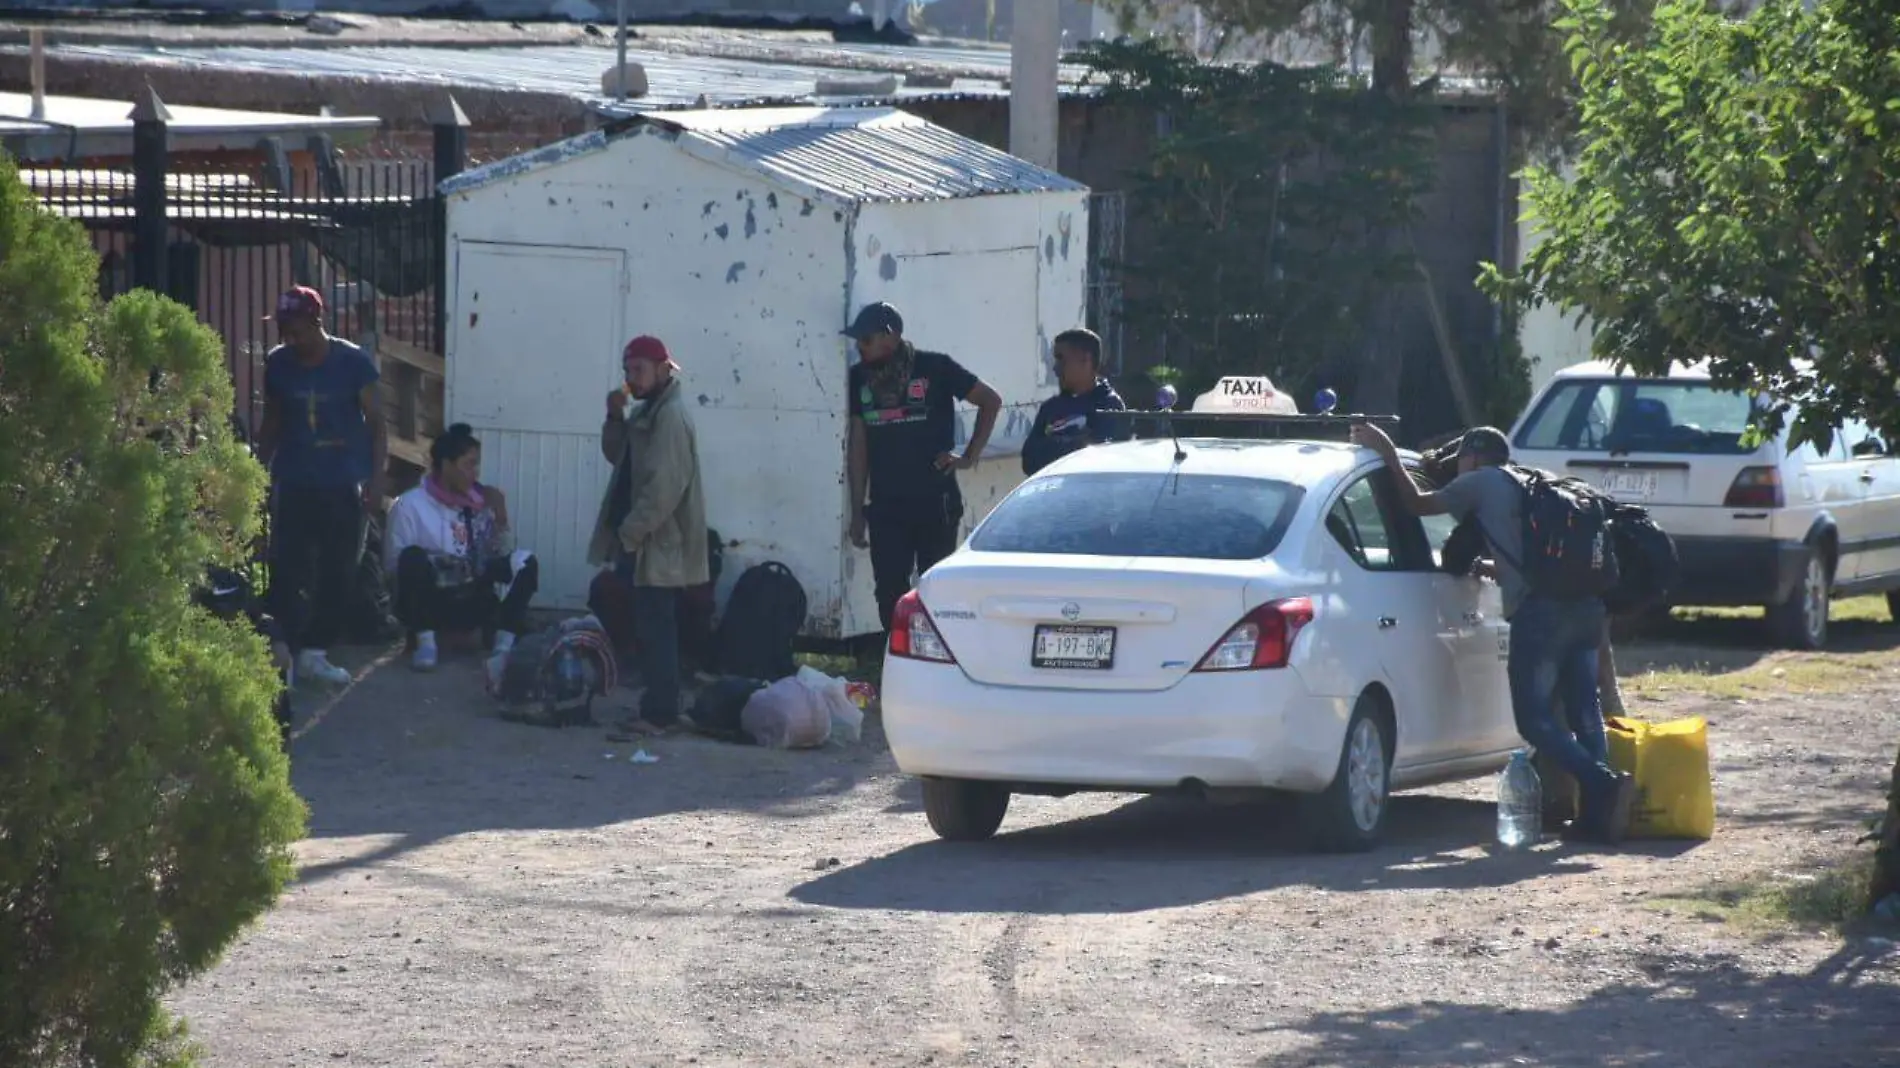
[{"x": 1035, "y": 47}]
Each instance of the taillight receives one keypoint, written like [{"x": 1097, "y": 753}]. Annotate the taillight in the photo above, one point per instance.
[
  {"x": 1262, "y": 639},
  {"x": 1756, "y": 487},
  {"x": 914, "y": 636}
]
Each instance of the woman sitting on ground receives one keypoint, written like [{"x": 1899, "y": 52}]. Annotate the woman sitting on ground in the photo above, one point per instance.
[{"x": 453, "y": 558}]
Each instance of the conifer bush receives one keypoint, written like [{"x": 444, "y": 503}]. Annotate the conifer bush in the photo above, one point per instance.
[{"x": 146, "y": 812}]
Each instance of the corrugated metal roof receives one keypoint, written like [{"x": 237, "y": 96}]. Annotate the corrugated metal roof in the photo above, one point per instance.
[
  {"x": 851, "y": 155},
  {"x": 675, "y": 80},
  {"x": 859, "y": 154}
]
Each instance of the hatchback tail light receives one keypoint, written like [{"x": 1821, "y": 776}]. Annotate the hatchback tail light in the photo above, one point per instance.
[
  {"x": 1262, "y": 639},
  {"x": 914, "y": 636},
  {"x": 1756, "y": 487}
]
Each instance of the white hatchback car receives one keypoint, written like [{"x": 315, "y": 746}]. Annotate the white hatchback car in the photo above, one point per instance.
[
  {"x": 1254, "y": 615},
  {"x": 1767, "y": 525}
]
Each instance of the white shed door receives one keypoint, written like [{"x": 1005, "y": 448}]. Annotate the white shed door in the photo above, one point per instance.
[{"x": 535, "y": 334}]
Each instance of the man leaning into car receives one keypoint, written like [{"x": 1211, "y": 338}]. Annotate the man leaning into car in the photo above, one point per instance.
[{"x": 1553, "y": 642}]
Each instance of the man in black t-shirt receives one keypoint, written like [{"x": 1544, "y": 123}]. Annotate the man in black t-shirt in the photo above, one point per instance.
[{"x": 901, "y": 412}]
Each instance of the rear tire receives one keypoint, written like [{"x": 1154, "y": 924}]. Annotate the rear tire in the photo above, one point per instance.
[
  {"x": 1893, "y": 606},
  {"x": 1348, "y": 816},
  {"x": 1800, "y": 622},
  {"x": 963, "y": 810}
]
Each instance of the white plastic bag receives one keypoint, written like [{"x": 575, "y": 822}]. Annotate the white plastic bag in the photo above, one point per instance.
[
  {"x": 847, "y": 719},
  {"x": 786, "y": 715}
]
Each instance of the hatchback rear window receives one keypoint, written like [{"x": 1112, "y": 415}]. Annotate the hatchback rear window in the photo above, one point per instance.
[
  {"x": 1206, "y": 517},
  {"x": 1617, "y": 415}
]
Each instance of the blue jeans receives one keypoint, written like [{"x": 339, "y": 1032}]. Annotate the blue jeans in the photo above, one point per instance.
[{"x": 1554, "y": 652}]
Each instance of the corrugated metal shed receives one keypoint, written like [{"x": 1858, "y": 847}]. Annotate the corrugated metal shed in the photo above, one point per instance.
[
  {"x": 676, "y": 79},
  {"x": 850, "y": 155},
  {"x": 856, "y": 154}
]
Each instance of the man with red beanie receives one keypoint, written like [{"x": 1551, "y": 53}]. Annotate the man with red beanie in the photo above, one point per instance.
[{"x": 652, "y": 524}]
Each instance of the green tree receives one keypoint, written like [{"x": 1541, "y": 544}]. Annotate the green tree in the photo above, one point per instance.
[
  {"x": 145, "y": 806},
  {"x": 1737, "y": 198},
  {"x": 1508, "y": 43},
  {"x": 1263, "y": 206}
]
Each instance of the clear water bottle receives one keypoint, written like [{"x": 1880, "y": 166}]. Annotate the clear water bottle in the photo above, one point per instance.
[{"x": 1520, "y": 803}]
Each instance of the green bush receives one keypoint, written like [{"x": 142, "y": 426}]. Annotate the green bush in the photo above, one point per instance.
[{"x": 145, "y": 805}]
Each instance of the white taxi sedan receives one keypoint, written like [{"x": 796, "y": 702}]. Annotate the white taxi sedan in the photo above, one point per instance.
[{"x": 1254, "y": 615}]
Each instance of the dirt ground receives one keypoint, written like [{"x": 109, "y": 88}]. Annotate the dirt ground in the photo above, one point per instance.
[{"x": 476, "y": 893}]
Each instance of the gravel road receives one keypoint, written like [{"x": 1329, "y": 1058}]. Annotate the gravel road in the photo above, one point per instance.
[{"x": 477, "y": 893}]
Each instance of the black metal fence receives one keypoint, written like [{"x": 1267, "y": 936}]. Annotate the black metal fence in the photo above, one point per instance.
[
  {"x": 227, "y": 236},
  {"x": 1108, "y": 226}
]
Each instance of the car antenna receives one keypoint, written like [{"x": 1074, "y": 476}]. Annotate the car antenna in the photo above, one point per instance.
[{"x": 1165, "y": 399}]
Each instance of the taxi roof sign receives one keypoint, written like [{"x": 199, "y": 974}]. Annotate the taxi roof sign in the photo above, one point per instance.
[{"x": 1248, "y": 394}]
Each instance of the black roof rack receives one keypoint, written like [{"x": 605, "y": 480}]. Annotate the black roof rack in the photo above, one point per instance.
[{"x": 1244, "y": 426}]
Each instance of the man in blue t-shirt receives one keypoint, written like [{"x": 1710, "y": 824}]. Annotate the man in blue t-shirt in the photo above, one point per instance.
[
  {"x": 900, "y": 407},
  {"x": 1071, "y": 419},
  {"x": 326, "y": 445}
]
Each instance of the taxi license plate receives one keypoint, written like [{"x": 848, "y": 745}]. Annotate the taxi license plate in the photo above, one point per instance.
[
  {"x": 1630, "y": 485},
  {"x": 1061, "y": 646}
]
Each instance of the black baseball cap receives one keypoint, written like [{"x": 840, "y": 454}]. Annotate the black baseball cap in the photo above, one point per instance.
[
  {"x": 874, "y": 319},
  {"x": 1485, "y": 443}
]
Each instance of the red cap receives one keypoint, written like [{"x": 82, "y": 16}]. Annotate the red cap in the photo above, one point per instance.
[
  {"x": 299, "y": 300},
  {"x": 651, "y": 349}
]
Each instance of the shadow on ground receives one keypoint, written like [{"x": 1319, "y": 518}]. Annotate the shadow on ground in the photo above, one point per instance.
[
  {"x": 1839, "y": 1015},
  {"x": 421, "y": 758},
  {"x": 1165, "y": 852},
  {"x": 1712, "y": 644}
]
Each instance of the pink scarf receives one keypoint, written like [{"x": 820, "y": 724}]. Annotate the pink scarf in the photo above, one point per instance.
[{"x": 471, "y": 501}]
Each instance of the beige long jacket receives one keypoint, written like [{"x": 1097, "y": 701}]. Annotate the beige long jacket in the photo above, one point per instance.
[{"x": 665, "y": 528}]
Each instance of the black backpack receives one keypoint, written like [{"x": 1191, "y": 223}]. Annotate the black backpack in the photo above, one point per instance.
[
  {"x": 1647, "y": 566},
  {"x": 1568, "y": 551},
  {"x": 720, "y": 705},
  {"x": 762, "y": 617}
]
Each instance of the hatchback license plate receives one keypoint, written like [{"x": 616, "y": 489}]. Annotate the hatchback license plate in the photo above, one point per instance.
[
  {"x": 1089, "y": 648},
  {"x": 1630, "y": 485}
]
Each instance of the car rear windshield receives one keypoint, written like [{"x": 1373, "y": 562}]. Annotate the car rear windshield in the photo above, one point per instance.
[
  {"x": 1206, "y": 517},
  {"x": 1619, "y": 415}
]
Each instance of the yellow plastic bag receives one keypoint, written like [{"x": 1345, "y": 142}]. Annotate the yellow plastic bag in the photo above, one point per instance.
[{"x": 1675, "y": 797}]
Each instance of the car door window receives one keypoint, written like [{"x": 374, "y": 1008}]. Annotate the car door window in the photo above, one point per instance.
[
  {"x": 1358, "y": 524},
  {"x": 1438, "y": 528}
]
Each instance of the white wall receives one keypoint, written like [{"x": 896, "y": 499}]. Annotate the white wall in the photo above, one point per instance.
[
  {"x": 746, "y": 287},
  {"x": 1552, "y": 339}
]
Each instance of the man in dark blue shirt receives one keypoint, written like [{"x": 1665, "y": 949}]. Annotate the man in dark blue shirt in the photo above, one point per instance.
[
  {"x": 325, "y": 442},
  {"x": 900, "y": 408},
  {"x": 1070, "y": 420}
]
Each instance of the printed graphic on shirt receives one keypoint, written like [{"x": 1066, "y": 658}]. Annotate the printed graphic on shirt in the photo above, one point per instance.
[
  {"x": 916, "y": 408},
  {"x": 1068, "y": 424}
]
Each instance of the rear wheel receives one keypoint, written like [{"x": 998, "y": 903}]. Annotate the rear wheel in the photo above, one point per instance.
[
  {"x": 962, "y": 810},
  {"x": 1800, "y": 622},
  {"x": 1893, "y": 605},
  {"x": 1348, "y": 816}
]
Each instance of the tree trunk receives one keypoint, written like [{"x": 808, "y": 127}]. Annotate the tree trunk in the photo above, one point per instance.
[
  {"x": 1887, "y": 854},
  {"x": 1392, "y": 48}
]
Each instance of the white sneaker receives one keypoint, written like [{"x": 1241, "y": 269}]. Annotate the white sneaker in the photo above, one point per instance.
[
  {"x": 314, "y": 665},
  {"x": 424, "y": 657}
]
